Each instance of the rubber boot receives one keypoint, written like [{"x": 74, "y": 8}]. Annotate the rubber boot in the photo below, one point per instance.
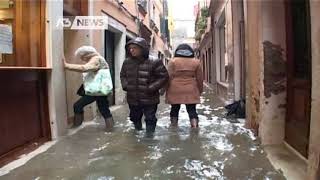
[
  {"x": 194, "y": 123},
  {"x": 150, "y": 129},
  {"x": 174, "y": 122},
  {"x": 109, "y": 123},
  {"x": 137, "y": 125},
  {"x": 78, "y": 119}
]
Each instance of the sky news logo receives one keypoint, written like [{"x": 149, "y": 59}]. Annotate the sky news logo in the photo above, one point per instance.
[{"x": 83, "y": 22}]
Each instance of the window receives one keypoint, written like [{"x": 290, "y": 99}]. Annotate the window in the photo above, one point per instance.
[
  {"x": 22, "y": 33},
  {"x": 162, "y": 25},
  {"x": 222, "y": 49},
  {"x": 204, "y": 65},
  {"x": 153, "y": 12},
  {"x": 152, "y": 16},
  {"x": 142, "y": 6},
  {"x": 207, "y": 65},
  {"x": 210, "y": 65}
]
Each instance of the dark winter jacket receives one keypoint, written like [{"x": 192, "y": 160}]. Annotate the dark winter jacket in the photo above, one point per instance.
[{"x": 143, "y": 78}]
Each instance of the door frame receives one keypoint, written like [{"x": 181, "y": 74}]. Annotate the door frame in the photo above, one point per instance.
[
  {"x": 290, "y": 66},
  {"x": 113, "y": 97}
]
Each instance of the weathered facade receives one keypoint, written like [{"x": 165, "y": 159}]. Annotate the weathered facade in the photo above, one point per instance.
[
  {"x": 39, "y": 95},
  {"x": 129, "y": 19},
  {"x": 271, "y": 58},
  {"x": 221, "y": 48}
]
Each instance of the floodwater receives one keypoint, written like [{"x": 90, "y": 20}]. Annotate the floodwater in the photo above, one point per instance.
[{"x": 220, "y": 149}]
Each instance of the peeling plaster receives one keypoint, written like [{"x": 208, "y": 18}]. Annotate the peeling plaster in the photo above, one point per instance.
[{"x": 274, "y": 69}]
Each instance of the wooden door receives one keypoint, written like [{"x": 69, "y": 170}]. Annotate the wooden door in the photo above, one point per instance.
[
  {"x": 23, "y": 109},
  {"x": 23, "y": 77},
  {"x": 299, "y": 75}
]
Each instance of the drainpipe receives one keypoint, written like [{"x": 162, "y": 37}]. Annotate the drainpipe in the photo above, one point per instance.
[{"x": 138, "y": 22}]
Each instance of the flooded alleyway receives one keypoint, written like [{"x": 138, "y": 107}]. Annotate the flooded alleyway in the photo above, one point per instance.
[{"x": 220, "y": 149}]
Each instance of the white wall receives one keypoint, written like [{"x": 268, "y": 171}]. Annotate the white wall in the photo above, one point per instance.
[
  {"x": 120, "y": 55},
  {"x": 56, "y": 82},
  {"x": 314, "y": 148}
]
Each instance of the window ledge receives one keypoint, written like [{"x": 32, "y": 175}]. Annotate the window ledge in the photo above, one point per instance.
[
  {"x": 23, "y": 68},
  {"x": 226, "y": 85}
]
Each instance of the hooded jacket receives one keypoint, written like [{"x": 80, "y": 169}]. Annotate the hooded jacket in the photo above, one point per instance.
[
  {"x": 186, "y": 79},
  {"x": 142, "y": 78}
]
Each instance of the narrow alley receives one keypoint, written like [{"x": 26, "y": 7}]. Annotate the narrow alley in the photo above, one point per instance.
[
  {"x": 220, "y": 149},
  {"x": 77, "y": 76}
]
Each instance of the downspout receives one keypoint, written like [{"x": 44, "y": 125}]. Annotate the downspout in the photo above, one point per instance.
[{"x": 138, "y": 22}]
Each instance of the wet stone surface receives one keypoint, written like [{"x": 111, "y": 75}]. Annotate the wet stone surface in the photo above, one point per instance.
[{"x": 219, "y": 149}]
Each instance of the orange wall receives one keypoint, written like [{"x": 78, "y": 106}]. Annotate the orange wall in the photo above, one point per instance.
[{"x": 113, "y": 10}]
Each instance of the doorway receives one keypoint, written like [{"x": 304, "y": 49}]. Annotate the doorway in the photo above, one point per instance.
[
  {"x": 299, "y": 75},
  {"x": 109, "y": 56}
]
